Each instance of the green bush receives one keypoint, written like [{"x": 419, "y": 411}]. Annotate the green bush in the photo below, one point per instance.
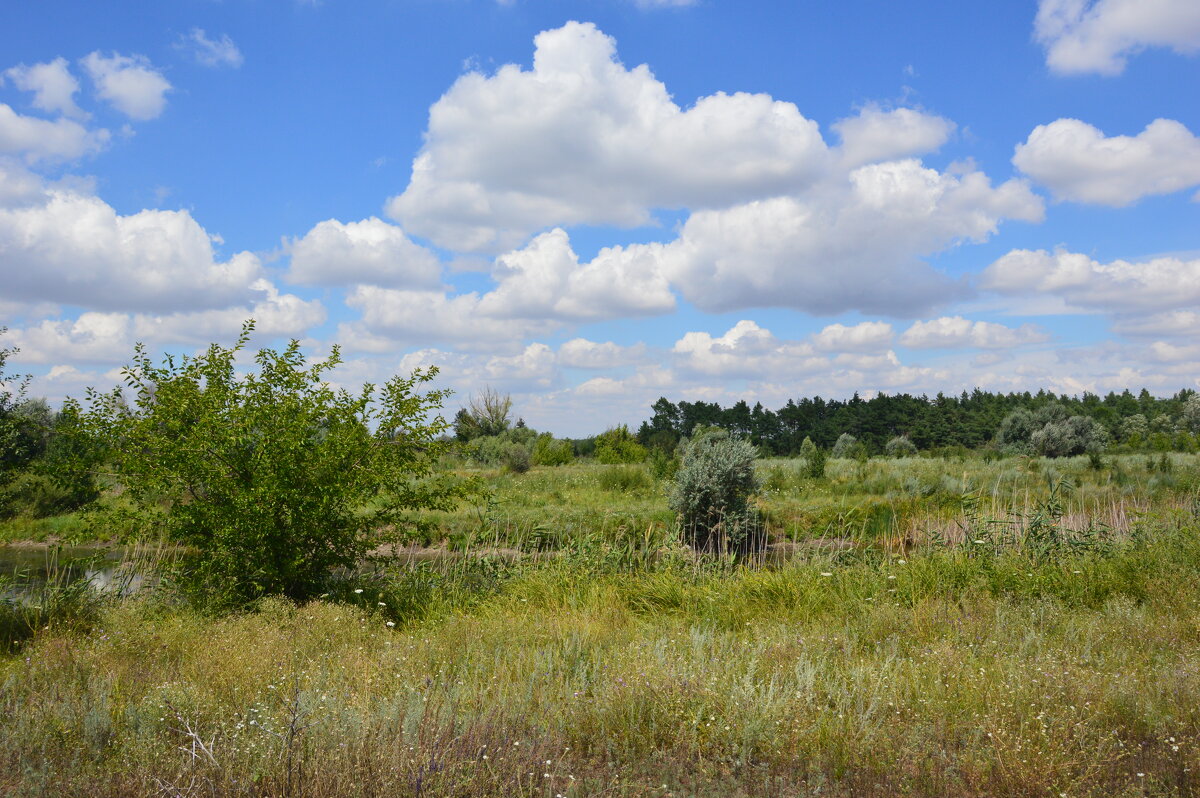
[
  {"x": 485, "y": 415},
  {"x": 1050, "y": 432},
  {"x": 274, "y": 478},
  {"x": 900, "y": 446},
  {"x": 663, "y": 464},
  {"x": 487, "y": 450},
  {"x": 1072, "y": 436},
  {"x": 712, "y": 491},
  {"x": 550, "y": 452},
  {"x": 617, "y": 445},
  {"x": 846, "y": 446},
  {"x": 14, "y": 455},
  {"x": 36, "y": 495},
  {"x": 814, "y": 459},
  {"x": 498, "y": 450},
  {"x": 1015, "y": 431},
  {"x": 516, "y": 458}
]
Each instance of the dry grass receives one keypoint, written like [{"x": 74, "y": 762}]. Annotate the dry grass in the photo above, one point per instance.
[
  {"x": 936, "y": 675},
  {"x": 1004, "y": 670}
]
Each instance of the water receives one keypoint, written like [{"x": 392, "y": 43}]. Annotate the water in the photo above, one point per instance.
[{"x": 25, "y": 569}]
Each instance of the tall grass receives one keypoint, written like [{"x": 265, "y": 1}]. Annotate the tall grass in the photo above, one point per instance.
[
  {"x": 1031, "y": 632},
  {"x": 944, "y": 672},
  {"x": 59, "y": 600}
]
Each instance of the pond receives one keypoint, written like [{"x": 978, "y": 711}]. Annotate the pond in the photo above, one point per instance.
[{"x": 26, "y": 568}]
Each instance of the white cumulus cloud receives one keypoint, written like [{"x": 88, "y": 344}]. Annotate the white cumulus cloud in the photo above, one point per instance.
[
  {"x": 52, "y": 84},
  {"x": 389, "y": 317},
  {"x": 581, "y": 353},
  {"x": 1119, "y": 287},
  {"x": 878, "y": 135},
  {"x": 540, "y": 287},
  {"x": 60, "y": 244},
  {"x": 580, "y": 138},
  {"x": 370, "y": 251},
  {"x": 1175, "y": 323},
  {"x": 35, "y": 139},
  {"x": 545, "y": 280},
  {"x": 1098, "y": 36},
  {"x": 950, "y": 332},
  {"x": 108, "y": 338},
  {"x": 746, "y": 350},
  {"x": 867, "y": 336},
  {"x": 130, "y": 83},
  {"x": 776, "y": 217},
  {"x": 843, "y": 246},
  {"x": 1076, "y": 161}
]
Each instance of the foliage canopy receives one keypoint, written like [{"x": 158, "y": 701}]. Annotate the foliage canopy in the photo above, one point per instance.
[
  {"x": 617, "y": 445},
  {"x": 274, "y": 477},
  {"x": 485, "y": 415}
]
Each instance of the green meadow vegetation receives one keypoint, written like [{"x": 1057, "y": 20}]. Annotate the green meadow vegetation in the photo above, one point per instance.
[{"x": 677, "y": 611}]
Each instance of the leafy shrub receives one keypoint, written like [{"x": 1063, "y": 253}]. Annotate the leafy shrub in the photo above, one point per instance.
[
  {"x": 516, "y": 458},
  {"x": 72, "y": 458},
  {"x": 1015, "y": 431},
  {"x": 1134, "y": 430},
  {"x": 488, "y": 450},
  {"x": 1189, "y": 415},
  {"x": 1050, "y": 432},
  {"x": 550, "y": 452},
  {"x": 814, "y": 459},
  {"x": 712, "y": 491},
  {"x": 497, "y": 450},
  {"x": 900, "y": 446},
  {"x": 846, "y": 446},
  {"x": 617, "y": 445},
  {"x": 1072, "y": 436},
  {"x": 13, "y": 456},
  {"x": 663, "y": 464},
  {"x": 38, "y": 496},
  {"x": 274, "y": 478},
  {"x": 665, "y": 439},
  {"x": 44, "y": 468}
]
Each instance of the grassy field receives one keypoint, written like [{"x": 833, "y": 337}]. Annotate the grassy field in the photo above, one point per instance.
[{"x": 927, "y": 627}]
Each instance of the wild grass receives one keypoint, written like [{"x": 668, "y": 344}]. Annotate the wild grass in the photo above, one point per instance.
[
  {"x": 880, "y": 501},
  {"x": 59, "y": 600},
  {"x": 1038, "y": 651},
  {"x": 945, "y": 672},
  {"x": 548, "y": 507}
]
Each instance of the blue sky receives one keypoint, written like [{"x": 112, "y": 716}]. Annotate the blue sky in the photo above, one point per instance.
[{"x": 592, "y": 204}]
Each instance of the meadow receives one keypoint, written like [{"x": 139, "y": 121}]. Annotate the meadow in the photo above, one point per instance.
[{"x": 962, "y": 625}]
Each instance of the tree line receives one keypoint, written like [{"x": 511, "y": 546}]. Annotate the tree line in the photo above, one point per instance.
[{"x": 969, "y": 420}]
